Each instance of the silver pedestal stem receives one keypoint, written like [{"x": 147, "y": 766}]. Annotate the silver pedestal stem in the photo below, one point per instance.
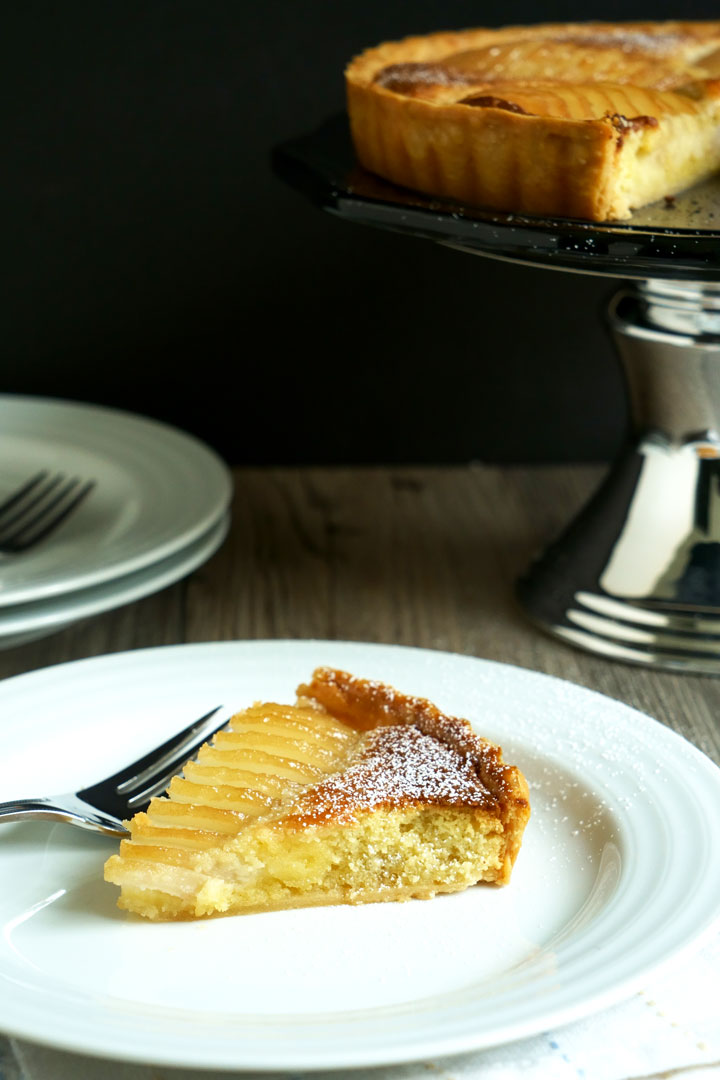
[{"x": 636, "y": 576}]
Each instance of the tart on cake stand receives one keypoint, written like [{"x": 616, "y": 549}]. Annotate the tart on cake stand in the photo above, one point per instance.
[{"x": 636, "y": 575}]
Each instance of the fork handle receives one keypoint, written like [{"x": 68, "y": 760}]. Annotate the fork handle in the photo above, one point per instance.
[
  {"x": 85, "y": 816},
  {"x": 23, "y": 809}
]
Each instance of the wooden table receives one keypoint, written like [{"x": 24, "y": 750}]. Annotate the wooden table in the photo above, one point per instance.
[
  {"x": 424, "y": 556},
  {"x": 417, "y": 556}
]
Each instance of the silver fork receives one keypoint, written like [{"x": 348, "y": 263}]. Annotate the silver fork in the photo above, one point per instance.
[
  {"x": 104, "y": 806},
  {"x": 37, "y": 507}
]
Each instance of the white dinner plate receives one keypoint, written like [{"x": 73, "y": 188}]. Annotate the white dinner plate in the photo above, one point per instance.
[
  {"x": 157, "y": 489},
  {"x": 619, "y": 873},
  {"x": 27, "y": 622}
]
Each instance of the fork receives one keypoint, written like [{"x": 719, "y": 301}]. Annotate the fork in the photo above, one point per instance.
[
  {"x": 103, "y": 807},
  {"x": 37, "y": 507}
]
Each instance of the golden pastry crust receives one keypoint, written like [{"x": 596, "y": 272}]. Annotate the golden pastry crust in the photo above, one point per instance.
[
  {"x": 367, "y": 705},
  {"x": 356, "y": 794},
  {"x": 585, "y": 120}
]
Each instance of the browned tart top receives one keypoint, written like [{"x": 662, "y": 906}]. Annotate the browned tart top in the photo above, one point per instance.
[
  {"x": 413, "y": 754},
  {"x": 660, "y": 56}
]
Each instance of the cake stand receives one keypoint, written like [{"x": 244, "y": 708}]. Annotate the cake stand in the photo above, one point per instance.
[{"x": 636, "y": 576}]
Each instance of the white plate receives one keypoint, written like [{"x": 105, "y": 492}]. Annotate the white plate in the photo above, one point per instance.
[
  {"x": 27, "y": 622},
  {"x": 157, "y": 490},
  {"x": 619, "y": 872}
]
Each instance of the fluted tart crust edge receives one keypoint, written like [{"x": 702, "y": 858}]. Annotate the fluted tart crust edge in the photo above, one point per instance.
[{"x": 633, "y": 118}]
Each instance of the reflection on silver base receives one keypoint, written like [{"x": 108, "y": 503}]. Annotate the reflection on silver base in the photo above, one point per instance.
[
  {"x": 636, "y": 576},
  {"x": 666, "y": 644}
]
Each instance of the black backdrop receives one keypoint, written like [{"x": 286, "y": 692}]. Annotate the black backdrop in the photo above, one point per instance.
[{"x": 152, "y": 261}]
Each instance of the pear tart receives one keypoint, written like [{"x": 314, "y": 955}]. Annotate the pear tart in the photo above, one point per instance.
[
  {"x": 355, "y": 794},
  {"x": 585, "y": 120}
]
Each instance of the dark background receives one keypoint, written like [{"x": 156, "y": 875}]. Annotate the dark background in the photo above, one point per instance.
[{"x": 154, "y": 262}]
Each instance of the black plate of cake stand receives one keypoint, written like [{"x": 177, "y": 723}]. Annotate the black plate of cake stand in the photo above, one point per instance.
[{"x": 636, "y": 576}]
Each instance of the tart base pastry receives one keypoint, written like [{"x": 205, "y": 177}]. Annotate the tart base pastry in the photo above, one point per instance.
[
  {"x": 584, "y": 120},
  {"x": 356, "y": 794}
]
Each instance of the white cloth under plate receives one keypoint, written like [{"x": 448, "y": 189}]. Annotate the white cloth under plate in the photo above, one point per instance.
[{"x": 670, "y": 1028}]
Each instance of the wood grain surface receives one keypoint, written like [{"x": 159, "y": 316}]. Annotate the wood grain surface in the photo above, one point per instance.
[{"x": 414, "y": 556}]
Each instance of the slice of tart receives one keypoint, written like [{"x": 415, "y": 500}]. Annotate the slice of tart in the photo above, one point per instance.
[
  {"x": 585, "y": 120},
  {"x": 355, "y": 794}
]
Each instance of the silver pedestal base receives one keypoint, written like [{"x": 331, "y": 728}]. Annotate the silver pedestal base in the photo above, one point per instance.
[{"x": 636, "y": 577}]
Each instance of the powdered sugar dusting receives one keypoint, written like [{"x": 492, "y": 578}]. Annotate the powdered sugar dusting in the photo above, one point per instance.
[
  {"x": 627, "y": 39},
  {"x": 398, "y": 766},
  {"x": 405, "y": 77}
]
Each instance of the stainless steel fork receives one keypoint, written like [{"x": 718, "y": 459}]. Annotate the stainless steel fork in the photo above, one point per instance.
[
  {"x": 37, "y": 508},
  {"x": 104, "y": 806}
]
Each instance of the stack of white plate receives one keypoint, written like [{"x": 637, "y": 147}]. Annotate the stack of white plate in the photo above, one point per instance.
[{"x": 158, "y": 510}]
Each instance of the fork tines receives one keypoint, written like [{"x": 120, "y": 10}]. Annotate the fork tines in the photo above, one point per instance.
[
  {"x": 38, "y": 507},
  {"x": 131, "y": 789}
]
